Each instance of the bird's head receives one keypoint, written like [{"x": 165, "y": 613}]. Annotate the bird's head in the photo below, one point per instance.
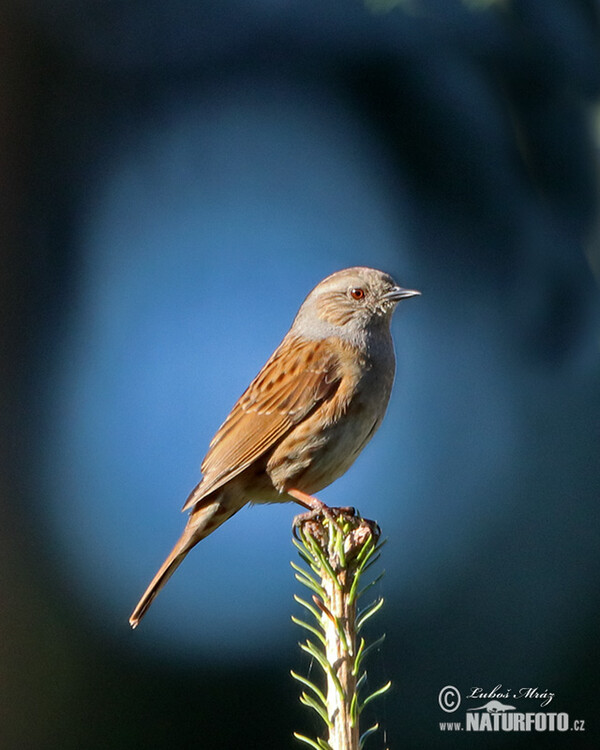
[{"x": 350, "y": 302}]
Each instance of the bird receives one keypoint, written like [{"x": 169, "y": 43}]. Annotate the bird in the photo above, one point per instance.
[{"x": 305, "y": 417}]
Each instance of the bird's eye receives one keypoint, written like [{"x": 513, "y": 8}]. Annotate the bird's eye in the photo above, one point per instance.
[{"x": 357, "y": 293}]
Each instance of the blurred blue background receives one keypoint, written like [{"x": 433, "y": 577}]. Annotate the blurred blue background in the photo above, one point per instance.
[{"x": 177, "y": 178}]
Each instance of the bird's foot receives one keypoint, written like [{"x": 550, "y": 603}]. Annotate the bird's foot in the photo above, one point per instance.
[
  {"x": 305, "y": 500},
  {"x": 315, "y": 507}
]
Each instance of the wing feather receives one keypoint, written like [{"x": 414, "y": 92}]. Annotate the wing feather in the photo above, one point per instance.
[{"x": 299, "y": 375}]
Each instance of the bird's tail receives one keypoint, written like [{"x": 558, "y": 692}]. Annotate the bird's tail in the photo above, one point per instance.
[{"x": 203, "y": 520}]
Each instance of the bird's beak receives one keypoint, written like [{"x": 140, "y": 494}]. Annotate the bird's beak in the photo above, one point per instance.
[{"x": 398, "y": 293}]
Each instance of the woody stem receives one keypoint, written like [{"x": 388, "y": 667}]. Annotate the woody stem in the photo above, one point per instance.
[
  {"x": 340, "y": 650},
  {"x": 337, "y": 543}
]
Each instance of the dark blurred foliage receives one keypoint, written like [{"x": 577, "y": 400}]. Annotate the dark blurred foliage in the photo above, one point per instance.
[{"x": 485, "y": 118}]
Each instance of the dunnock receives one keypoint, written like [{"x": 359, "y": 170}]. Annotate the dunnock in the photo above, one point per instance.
[{"x": 306, "y": 416}]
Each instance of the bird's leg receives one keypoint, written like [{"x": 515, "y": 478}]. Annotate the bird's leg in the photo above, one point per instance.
[
  {"x": 306, "y": 501},
  {"x": 315, "y": 506}
]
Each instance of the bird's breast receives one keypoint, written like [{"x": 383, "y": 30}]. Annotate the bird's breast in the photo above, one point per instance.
[{"x": 326, "y": 442}]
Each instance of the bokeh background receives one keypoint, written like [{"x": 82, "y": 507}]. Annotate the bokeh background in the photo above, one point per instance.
[{"x": 175, "y": 178}]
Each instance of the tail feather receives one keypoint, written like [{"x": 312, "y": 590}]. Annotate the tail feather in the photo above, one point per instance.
[
  {"x": 166, "y": 570},
  {"x": 203, "y": 521}
]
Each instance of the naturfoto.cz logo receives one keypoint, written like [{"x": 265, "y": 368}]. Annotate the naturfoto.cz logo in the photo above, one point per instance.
[{"x": 495, "y": 715}]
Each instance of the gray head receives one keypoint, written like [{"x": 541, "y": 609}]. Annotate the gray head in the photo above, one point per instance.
[{"x": 349, "y": 303}]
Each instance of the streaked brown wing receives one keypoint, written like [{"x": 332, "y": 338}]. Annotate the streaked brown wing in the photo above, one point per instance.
[{"x": 298, "y": 376}]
